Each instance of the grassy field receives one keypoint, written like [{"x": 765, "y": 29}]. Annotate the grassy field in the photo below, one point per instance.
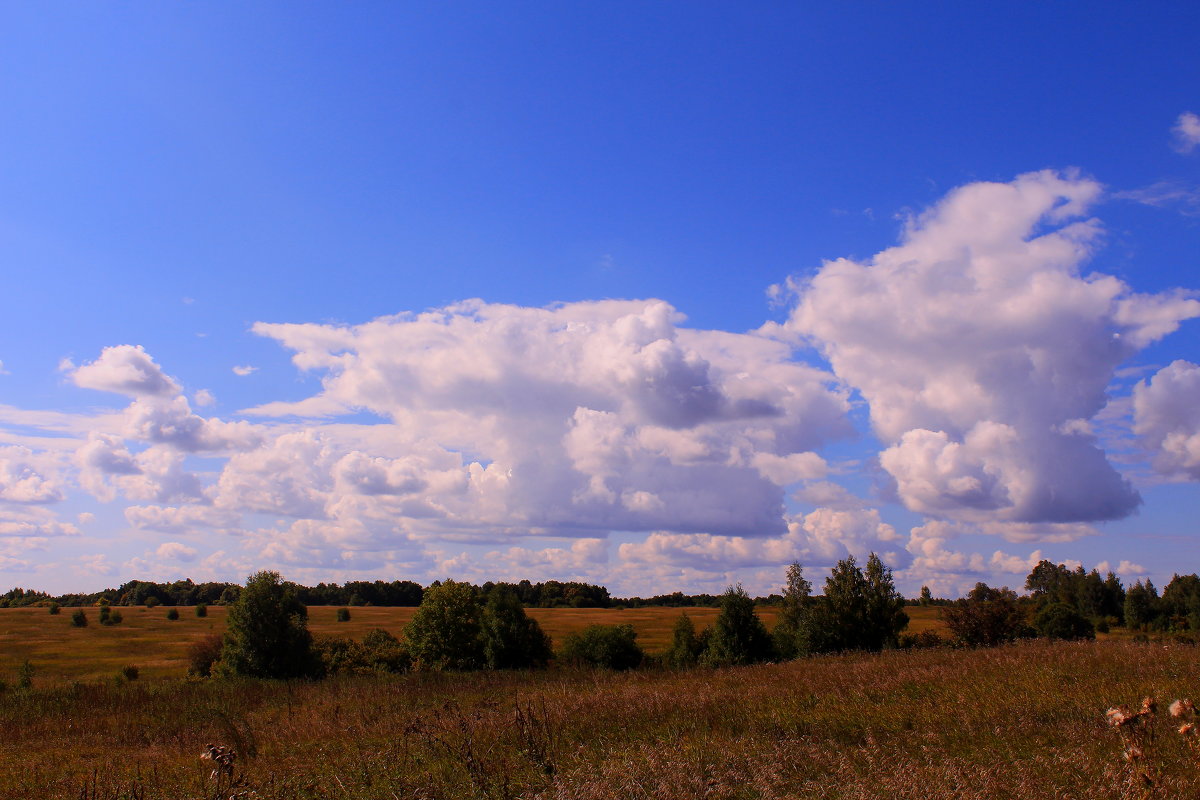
[
  {"x": 158, "y": 647},
  {"x": 1024, "y": 721}
]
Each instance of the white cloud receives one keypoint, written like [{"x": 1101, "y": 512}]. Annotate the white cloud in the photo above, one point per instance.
[
  {"x": 125, "y": 369},
  {"x": 204, "y": 398},
  {"x": 28, "y": 477},
  {"x": 170, "y": 421},
  {"x": 244, "y": 370},
  {"x": 181, "y": 519},
  {"x": 1186, "y": 132},
  {"x": 176, "y": 551},
  {"x": 982, "y": 350},
  {"x": 1167, "y": 419}
]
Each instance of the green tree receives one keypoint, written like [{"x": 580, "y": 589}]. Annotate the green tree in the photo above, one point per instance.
[
  {"x": 608, "y": 646},
  {"x": 791, "y": 634},
  {"x": 445, "y": 632},
  {"x": 1141, "y": 605},
  {"x": 511, "y": 638},
  {"x": 885, "y": 616},
  {"x": 267, "y": 632},
  {"x": 859, "y": 611},
  {"x": 986, "y": 617},
  {"x": 1063, "y": 621},
  {"x": 686, "y": 646},
  {"x": 738, "y": 635},
  {"x": 79, "y": 618}
]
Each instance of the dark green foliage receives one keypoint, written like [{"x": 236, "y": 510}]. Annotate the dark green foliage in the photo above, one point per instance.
[
  {"x": 201, "y": 610},
  {"x": 738, "y": 636},
  {"x": 203, "y": 653},
  {"x": 172, "y": 613},
  {"x": 686, "y": 646},
  {"x": 343, "y": 615},
  {"x": 444, "y": 634},
  {"x": 926, "y": 596},
  {"x": 130, "y": 672},
  {"x": 55, "y": 608},
  {"x": 1086, "y": 592},
  {"x": 267, "y": 635},
  {"x": 511, "y": 639},
  {"x": 608, "y": 646},
  {"x": 385, "y": 652},
  {"x": 986, "y": 617},
  {"x": 1180, "y": 603},
  {"x": 1062, "y": 621},
  {"x": 152, "y": 601},
  {"x": 793, "y": 629},
  {"x": 110, "y": 617},
  {"x": 859, "y": 611},
  {"x": 79, "y": 618},
  {"x": 1141, "y": 605}
]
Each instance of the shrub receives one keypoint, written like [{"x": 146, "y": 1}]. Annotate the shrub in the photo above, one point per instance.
[
  {"x": 385, "y": 652},
  {"x": 686, "y": 646},
  {"x": 738, "y": 636},
  {"x": 986, "y": 617},
  {"x": 343, "y": 615},
  {"x": 54, "y": 609},
  {"x": 152, "y": 601},
  {"x": 792, "y": 634},
  {"x": 1061, "y": 621},
  {"x": 129, "y": 673},
  {"x": 608, "y": 646},
  {"x": 203, "y": 654},
  {"x": 267, "y": 634},
  {"x": 25, "y": 675},
  {"x": 172, "y": 613},
  {"x": 79, "y": 618},
  {"x": 110, "y": 617},
  {"x": 201, "y": 610},
  {"x": 445, "y": 631}
]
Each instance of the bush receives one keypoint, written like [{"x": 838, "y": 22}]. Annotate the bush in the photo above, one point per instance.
[
  {"x": 203, "y": 654},
  {"x": 343, "y": 615},
  {"x": 385, "y": 652},
  {"x": 172, "y": 614},
  {"x": 129, "y": 673},
  {"x": 152, "y": 601},
  {"x": 25, "y": 675},
  {"x": 511, "y": 639},
  {"x": 267, "y": 634},
  {"x": 110, "y": 617},
  {"x": 79, "y": 618},
  {"x": 201, "y": 610},
  {"x": 445, "y": 631},
  {"x": 1061, "y": 621},
  {"x": 686, "y": 646},
  {"x": 54, "y": 609},
  {"x": 986, "y": 617},
  {"x": 608, "y": 646}
]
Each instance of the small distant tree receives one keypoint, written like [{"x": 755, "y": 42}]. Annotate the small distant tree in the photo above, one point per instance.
[
  {"x": 152, "y": 601},
  {"x": 267, "y": 634},
  {"x": 1062, "y": 621},
  {"x": 1141, "y": 605},
  {"x": 511, "y": 639},
  {"x": 54, "y": 609},
  {"x": 986, "y": 617},
  {"x": 738, "y": 636},
  {"x": 926, "y": 597},
  {"x": 686, "y": 646},
  {"x": 172, "y": 613},
  {"x": 201, "y": 610},
  {"x": 343, "y": 615},
  {"x": 79, "y": 618},
  {"x": 607, "y": 646},
  {"x": 444, "y": 634}
]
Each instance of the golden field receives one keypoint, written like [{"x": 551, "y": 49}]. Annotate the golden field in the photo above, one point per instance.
[{"x": 1023, "y": 721}]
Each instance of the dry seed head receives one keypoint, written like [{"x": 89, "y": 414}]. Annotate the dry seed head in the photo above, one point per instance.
[
  {"x": 1187, "y": 729},
  {"x": 1117, "y": 717},
  {"x": 1181, "y": 707},
  {"x": 1148, "y": 705}
]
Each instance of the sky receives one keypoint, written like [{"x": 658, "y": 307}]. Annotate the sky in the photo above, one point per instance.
[{"x": 661, "y": 296}]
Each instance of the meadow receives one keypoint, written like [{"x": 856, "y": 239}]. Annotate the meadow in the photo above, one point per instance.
[{"x": 1022, "y": 721}]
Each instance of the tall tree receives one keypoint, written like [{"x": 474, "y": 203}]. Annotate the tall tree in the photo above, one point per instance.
[
  {"x": 738, "y": 635},
  {"x": 267, "y": 632},
  {"x": 791, "y": 634},
  {"x": 511, "y": 639},
  {"x": 444, "y": 633}
]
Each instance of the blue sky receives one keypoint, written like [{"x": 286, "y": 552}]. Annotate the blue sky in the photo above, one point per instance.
[{"x": 190, "y": 189}]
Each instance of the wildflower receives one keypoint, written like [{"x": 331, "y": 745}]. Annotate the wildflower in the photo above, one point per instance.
[
  {"x": 1116, "y": 717},
  {"x": 1181, "y": 707},
  {"x": 1184, "y": 730},
  {"x": 223, "y": 757},
  {"x": 1148, "y": 705}
]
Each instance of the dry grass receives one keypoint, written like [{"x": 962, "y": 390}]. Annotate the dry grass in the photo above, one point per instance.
[{"x": 1026, "y": 721}]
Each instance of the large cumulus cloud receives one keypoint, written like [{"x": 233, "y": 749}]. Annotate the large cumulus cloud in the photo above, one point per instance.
[
  {"x": 1167, "y": 418},
  {"x": 981, "y": 347}
]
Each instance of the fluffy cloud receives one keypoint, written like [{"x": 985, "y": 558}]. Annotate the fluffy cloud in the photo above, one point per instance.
[
  {"x": 1167, "y": 418},
  {"x": 980, "y": 349},
  {"x": 1186, "y": 132},
  {"x": 27, "y": 477},
  {"x": 176, "y": 551},
  {"x": 125, "y": 369}
]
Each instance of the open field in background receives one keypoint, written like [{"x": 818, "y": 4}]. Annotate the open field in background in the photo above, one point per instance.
[
  {"x": 1024, "y": 721},
  {"x": 158, "y": 646}
]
